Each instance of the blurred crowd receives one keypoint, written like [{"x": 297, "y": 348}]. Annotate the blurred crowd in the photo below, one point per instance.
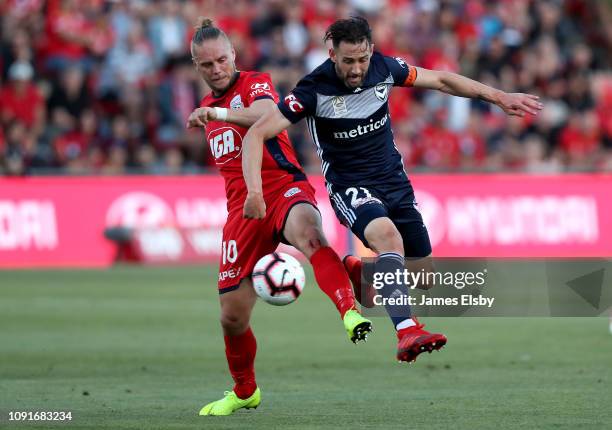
[{"x": 105, "y": 87}]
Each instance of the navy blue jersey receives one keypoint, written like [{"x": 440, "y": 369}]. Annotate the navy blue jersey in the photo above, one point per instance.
[{"x": 352, "y": 127}]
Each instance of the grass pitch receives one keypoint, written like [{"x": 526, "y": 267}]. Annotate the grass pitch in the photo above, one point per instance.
[{"x": 141, "y": 348}]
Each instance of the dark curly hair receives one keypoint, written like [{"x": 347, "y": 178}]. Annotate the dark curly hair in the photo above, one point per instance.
[{"x": 352, "y": 30}]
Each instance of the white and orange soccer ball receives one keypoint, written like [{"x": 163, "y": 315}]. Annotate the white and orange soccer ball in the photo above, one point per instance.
[{"x": 278, "y": 278}]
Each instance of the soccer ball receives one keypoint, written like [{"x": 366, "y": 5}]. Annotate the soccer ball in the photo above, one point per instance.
[{"x": 278, "y": 278}]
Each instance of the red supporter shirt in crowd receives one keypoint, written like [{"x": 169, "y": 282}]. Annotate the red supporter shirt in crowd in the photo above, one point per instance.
[
  {"x": 578, "y": 144},
  {"x": 23, "y": 107},
  {"x": 472, "y": 146},
  {"x": 60, "y": 24},
  {"x": 437, "y": 147},
  {"x": 71, "y": 146},
  {"x": 279, "y": 164}
]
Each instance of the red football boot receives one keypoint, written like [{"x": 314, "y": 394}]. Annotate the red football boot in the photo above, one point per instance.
[
  {"x": 352, "y": 265},
  {"x": 414, "y": 340}
]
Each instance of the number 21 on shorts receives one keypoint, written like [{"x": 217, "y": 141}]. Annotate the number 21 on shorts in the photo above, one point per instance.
[{"x": 353, "y": 192}]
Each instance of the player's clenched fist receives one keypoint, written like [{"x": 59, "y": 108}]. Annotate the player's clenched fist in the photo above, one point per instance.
[
  {"x": 254, "y": 206},
  {"x": 201, "y": 116}
]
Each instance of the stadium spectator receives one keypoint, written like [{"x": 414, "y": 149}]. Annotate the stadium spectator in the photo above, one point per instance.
[
  {"x": 68, "y": 36},
  {"x": 471, "y": 141},
  {"x": 580, "y": 140},
  {"x": 436, "y": 146},
  {"x": 70, "y": 94},
  {"x": 558, "y": 49},
  {"x": 146, "y": 160},
  {"x": 73, "y": 148},
  {"x": 17, "y": 50},
  {"x": 129, "y": 64},
  {"x": 173, "y": 162},
  {"x": 168, "y": 32},
  {"x": 21, "y": 100},
  {"x": 177, "y": 95},
  {"x": 21, "y": 150}
]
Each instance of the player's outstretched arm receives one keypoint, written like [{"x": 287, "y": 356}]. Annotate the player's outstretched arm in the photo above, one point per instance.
[
  {"x": 517, "y": 104},
  {"x": 268, "y": 126},
  {"x": 243, "y": 117}
]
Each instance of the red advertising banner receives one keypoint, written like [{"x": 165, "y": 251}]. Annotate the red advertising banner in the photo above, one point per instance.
[
  {"x": 60, "y": 222},
  {"x": 517, "y": 215}
]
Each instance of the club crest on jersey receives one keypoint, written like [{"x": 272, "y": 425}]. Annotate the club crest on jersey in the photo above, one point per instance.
[
  {"x": 293, "y": 104},
  {"x": 236, "y": 102},
  {"x": 381, "y": 91},
  {"x": 292, "y": 192},
  {"x": 339, "y": 105},
  {"x": 225, "y": 144}
]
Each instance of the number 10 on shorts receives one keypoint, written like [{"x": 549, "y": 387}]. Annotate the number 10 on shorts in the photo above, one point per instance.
[{"x": 229, "y": 251}]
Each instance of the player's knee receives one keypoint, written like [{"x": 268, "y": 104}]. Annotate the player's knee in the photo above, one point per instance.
[
  {"x": 426, "y": 281},
  {"x": 306, "y": 233},
  {"x": 234, "y": 322},
  {"x": 310, "y": 239},
  {"x": 426, "y": 267},
  {"x": 385, "y": 238}
]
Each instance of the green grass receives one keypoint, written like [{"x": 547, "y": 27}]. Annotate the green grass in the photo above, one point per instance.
[{"x": 141, "y": 348}]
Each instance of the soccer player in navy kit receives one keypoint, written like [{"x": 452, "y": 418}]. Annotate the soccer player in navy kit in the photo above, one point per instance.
[{"x": 345, "y": 103}]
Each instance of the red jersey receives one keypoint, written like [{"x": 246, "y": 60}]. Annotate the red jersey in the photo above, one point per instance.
[
  {"x": 21, "y": 106},
  {"x": 279, "y": 164}
]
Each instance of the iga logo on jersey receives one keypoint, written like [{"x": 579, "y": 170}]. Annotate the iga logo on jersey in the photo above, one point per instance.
[{"x": 225, "y": 144}]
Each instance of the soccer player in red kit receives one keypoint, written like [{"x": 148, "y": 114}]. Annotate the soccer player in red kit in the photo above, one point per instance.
[{"x": 292, "y": 216}]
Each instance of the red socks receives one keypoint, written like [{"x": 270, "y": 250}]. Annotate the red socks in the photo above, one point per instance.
[
  {"x": 240, "y": 352},
  {"x": 353, "y": 268},
  {"x": 333, "y": 279}
]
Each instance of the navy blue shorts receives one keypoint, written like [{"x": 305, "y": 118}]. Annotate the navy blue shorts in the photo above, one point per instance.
[{"x": 357, "y": 206}]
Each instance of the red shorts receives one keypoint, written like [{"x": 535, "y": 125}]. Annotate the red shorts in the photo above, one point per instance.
[{"x": 245, "y": 241}]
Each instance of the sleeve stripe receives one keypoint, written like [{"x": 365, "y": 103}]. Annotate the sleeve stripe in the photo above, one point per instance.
[
  {"x": 412, "y": 75},
  {"x": 263, "y": 97}
]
